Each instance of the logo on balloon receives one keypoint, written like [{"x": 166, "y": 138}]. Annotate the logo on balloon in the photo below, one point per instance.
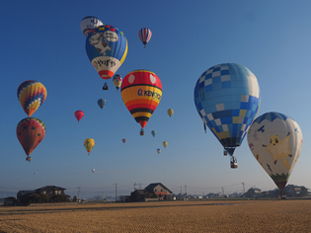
[{"x": 153, "y": 94}]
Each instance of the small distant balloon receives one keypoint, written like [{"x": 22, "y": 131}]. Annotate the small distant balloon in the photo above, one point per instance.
[
  {"x": 79, "y": 114},
  {"x": 93, "y": 170},
  {"x": 117, "y": 81},
  {"x": 101, "y": 103},
  {"x": 124, "y": 140},
  {"x": 165, "y": 144},
  {"x": 170, "y": 112},
  {"x": 145, "y": 35},
  {"x": 31, "y": 95},
  {"x": 153, "y": 132},
  {"x": 159, "y": 151},
  {"x": 89, "y": 23},
  {"x": 35, "y": 173},
  {"x": 89, "y": 144}
]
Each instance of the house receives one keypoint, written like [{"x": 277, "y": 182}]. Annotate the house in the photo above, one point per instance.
[
  {"x": 160, "y": 190},
  {"x": 140, "y": 195},
  {"x": 9, "y": 201},
  {"x": 49, "y": 193}
]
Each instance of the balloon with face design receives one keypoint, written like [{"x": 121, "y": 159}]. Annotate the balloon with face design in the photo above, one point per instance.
[
  {"x": 275, "y": 141},
  {"x": 106, "y": 47}
]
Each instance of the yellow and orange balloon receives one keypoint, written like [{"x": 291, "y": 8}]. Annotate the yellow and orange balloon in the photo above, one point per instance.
[
  {"x": 31, "y": 95},
  {"x": 141, "y": 92},
  {"x": 89, "y": 144}
]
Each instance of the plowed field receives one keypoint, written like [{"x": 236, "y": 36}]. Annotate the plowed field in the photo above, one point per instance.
[{"x": 176, "y": 216}]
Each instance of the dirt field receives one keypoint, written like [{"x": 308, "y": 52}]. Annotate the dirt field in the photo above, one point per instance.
[{"x": 178, "y": 216}]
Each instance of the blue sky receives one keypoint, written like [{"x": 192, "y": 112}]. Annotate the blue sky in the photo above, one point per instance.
[{"x": 42, "y": 41}]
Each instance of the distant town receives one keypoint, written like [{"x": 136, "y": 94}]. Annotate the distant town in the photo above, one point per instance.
[{"x": 152, "y": 192}]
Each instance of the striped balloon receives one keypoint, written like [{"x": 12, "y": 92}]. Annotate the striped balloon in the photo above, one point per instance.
[
  {"x": 145, "y": 35},
  {"x": 31, "y": 95},
  {"x": 30, "y": 132},
  {"x": 141, "y": 92}
]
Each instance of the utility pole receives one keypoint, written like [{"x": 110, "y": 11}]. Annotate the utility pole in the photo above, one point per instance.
[
  {"x": 186, "y": 189},
  {"x": 243, "y": 188},
  {"x": 139, "y": 185},
  {"x": 180, "y": 189},
  {"x": 223, "y": 191},
  {"x": 116, "y": 190},
  {"x": 78, "y": 193},
  {"x": 135, "y": 186}
]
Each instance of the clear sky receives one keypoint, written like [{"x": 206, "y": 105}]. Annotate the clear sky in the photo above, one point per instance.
[{"x": 42, "y": 41}]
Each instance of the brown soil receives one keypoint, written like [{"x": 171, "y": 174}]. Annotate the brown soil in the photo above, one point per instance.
[{"x": 176, "y": 216}]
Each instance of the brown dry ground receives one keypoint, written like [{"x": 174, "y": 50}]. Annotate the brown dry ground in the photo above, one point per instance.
[{"x": 175, "y": 216}]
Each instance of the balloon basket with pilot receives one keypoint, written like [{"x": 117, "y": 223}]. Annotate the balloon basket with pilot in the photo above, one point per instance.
[{"x": 233, "y": 162}]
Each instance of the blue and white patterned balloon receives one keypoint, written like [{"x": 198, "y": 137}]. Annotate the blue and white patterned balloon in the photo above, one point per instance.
[{"x": 227, "y": 98}]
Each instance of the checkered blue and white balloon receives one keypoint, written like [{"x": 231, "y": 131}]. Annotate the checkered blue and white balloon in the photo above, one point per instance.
[{"x": 227, "y": 98}]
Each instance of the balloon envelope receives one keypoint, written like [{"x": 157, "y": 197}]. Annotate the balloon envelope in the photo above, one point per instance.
[
  {"x": 227, "y": 98},
  {"x": 89, "y": 23},
  {"x": 170, "y": 112},
  {"x": 153, "y": 132},
  {"x": 31, "y": 95},
  {"x": 145, "y": 35},
  {"x": 275, "y": 141},
  {"x": 79, "y": 114},
  {"x": 165, "y": 143},
  {"x": 89, "y": 144},
  {"x": 93, "y": 170},
  {"x": 117, "y": 81},
  {"x": 106, "y": 47},
  {"x": 123, "y": 140},
  {"x": 141, "y": 92},
  {"x": 101, "y": 103},
  {"x": 30, "y": 132},
  {"x": 159, "y": 151}
]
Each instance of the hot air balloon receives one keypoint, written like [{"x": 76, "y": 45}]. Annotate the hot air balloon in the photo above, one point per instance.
[
  {"x": 145, "y": 35},
  {"x": 93, "y": 170},
  {"x": 153, "y": 132},
  {"x": 141, "y": 92},
  {"x": 89, "y": 144},
  {"x": 170, "y": 112},
  {"x": 123, "y": 140},
  {"x": 31, "y": 95},
  {"x": 275, "y": 141},
  {"x": 30, "y": 132},
  {"x": 101, "y": 103},
  {"x": 159, "y": 151},
  {"x": 117, "y": 81},
  {"x": 227, "y": 98},
  {"x": 89, "y": 23},
  {"x": 106, "y": 47},
  {"x": 79, "y": 114},
  {"x": 165, "y": 144}
]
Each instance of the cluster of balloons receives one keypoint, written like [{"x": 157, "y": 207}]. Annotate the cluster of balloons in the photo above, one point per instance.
[
  {"x": 141, "y": 90},
  {"x": 30, "y": 131},
  {"x": 227, "y": 99}
]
